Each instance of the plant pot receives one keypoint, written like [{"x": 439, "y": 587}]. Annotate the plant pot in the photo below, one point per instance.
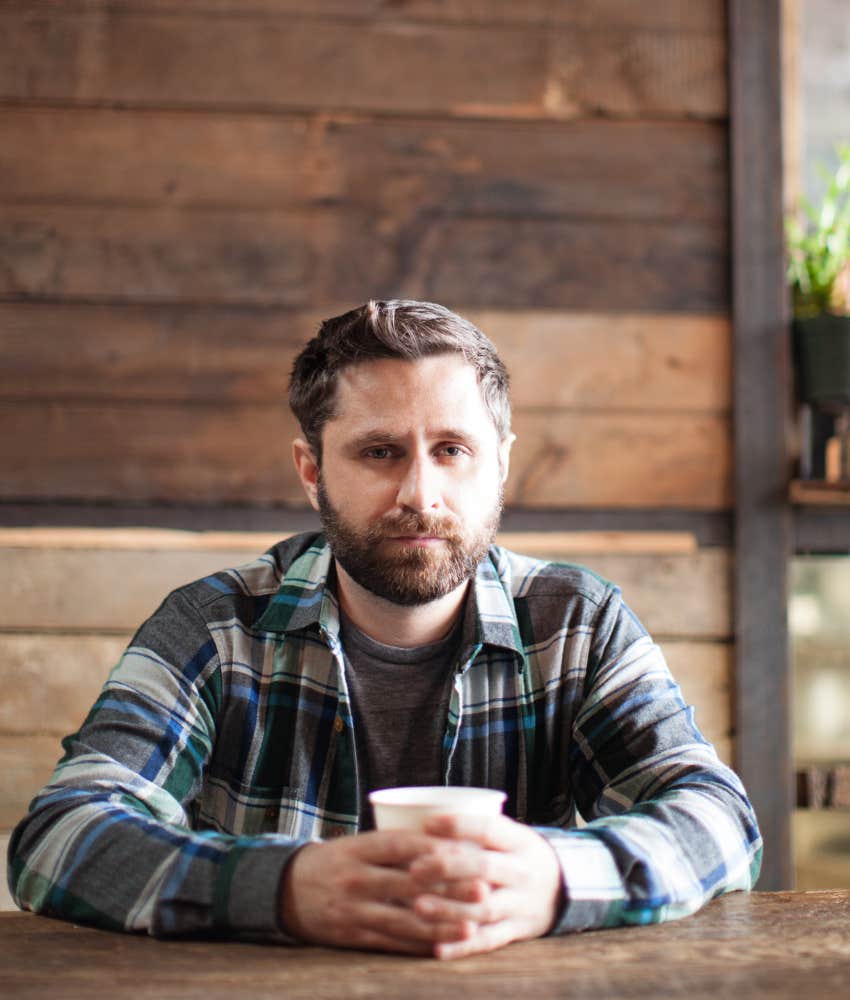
[{"x": 822, "y": 352}]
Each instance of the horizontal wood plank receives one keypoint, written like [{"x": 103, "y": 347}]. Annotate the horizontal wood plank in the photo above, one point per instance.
[
  {"x": 254, "y": 60},
  {"x": 51, "y": 681},
  {"x": 206, "y": 453},
  {"x": 627, "y": 361},
  {"x": 298, "y": 258},
  {"x": 674, "y": 596},
  {"x": 112, "y": 591},
  {"x": 819, "y": 493},
  {"x": 704, "y": 673},
  {"x": 552, "y": 543},
  {"x": 577, "y": 459},
  {"x": 653, "y": 361},
  {"x": 652, "y": 170},
  {"x": 706, "y": 17},
  {"x": 26, "y": 765}
]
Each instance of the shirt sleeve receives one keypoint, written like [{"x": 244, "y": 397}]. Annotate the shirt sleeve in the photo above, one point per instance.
[
  {"x": 110, "y": 840},
  {"x": 669, "y": 826}
]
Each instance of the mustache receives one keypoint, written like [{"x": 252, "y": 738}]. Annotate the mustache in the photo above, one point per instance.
[{"x": 413, "y": 523}]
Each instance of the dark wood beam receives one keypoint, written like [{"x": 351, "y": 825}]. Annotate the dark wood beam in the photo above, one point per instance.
[{"x": 760, "y": 392}]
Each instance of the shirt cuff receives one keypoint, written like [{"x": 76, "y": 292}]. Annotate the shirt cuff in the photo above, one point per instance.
[
  {"x": 593, "y": 887},
  {"x": 248, "y": 896}
]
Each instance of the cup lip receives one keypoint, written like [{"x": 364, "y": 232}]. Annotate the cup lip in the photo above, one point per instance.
[{"x": 431, "y": 796}]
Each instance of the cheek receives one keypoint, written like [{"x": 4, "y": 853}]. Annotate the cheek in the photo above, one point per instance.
[
  {"x": 477, "y": 493},
  {"x": 364, "y": 501}
]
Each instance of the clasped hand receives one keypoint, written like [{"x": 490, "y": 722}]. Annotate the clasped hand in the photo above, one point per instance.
[{"x": 468, "y": 884}]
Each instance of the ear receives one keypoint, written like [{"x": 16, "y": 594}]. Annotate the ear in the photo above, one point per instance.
[
  {"x": 308, "y": 470},
  {"x": 505, "y": 455}
]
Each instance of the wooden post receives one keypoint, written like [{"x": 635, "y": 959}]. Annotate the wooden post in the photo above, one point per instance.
[{"x": 760, "y": 389}]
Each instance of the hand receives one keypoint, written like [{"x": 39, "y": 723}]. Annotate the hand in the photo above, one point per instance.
[
  {"x": 514, "y": 869},
  {"x": 356, "y": 892}
]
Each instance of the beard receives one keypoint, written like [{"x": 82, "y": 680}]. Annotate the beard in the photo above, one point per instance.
[{"x": 410, "y": 576}]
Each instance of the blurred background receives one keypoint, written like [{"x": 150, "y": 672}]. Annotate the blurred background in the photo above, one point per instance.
[{"x": 188, "y": 187}]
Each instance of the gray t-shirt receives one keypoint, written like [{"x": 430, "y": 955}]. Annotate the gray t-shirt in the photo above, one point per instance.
[{"x": 400, "y": 700}]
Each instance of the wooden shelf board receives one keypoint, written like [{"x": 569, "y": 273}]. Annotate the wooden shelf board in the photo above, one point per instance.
[{"x": 818, "y": 493}]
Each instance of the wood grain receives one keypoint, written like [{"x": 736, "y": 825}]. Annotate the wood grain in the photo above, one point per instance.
[
  {"x": 26, "y": 765},
  {"x": 108, "y": 591},
  {"x": 301, "y": 257},
  {"x": 640, "y": 361},
  {"x": 51, "y": 681},
  {"x": 761, "y": 378},
  {"x": 258, "y": 60},
  {"x": 610, "y": 459},
  {"x": 205, "y": 453},
  {"x": 652, "y": 170},
  {"x": 542, "y": 543},
  {"x": 707, "y": 18},
  {"x": 762, "y": 946}
]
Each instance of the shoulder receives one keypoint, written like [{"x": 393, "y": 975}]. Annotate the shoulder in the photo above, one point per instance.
[
  {"x": 248, "y": 587},
  {"x": 553, "y": 596},
  {"x": 529, "y": 578}
]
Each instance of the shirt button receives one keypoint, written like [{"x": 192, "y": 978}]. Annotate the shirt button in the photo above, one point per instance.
[
  {"x": 336, "y": 831},
  {"x": 272, "y": 812},
  {"x": 339, "y": 725}
]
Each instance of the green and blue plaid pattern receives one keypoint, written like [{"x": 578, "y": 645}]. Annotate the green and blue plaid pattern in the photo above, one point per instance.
[{"x": 223, "y": 740}]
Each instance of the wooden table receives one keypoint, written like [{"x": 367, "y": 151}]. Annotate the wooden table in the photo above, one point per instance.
[{"x": 776, "y": 945}]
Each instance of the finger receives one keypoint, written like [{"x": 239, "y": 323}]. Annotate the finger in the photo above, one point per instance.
[
  {"x": 404, "y": 923},
  {"x": 487, "y": 938},
  {"x": 496, "y": 833},
  {"x": 392, "y": 848},
  {"x": 378, "y": 883},
  {"x": 362, "y": 938},
  {"x": 458, "y": 863},
  {"x": 495, "y": 907},
  {"x": 464, "y": 890}
]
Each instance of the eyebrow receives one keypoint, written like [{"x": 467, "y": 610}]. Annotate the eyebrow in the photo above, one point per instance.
[{"x": 380, "y": 436}]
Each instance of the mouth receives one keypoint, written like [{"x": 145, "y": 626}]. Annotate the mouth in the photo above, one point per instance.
[{"x": 417, "y": 540}]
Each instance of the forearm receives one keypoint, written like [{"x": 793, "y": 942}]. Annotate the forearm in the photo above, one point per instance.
[
  {"x": 661, "y": 859},
  {"x": 95, "y": 859}
]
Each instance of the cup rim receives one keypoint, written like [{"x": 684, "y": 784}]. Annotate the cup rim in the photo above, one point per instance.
[{"x": 431, "y": 796}]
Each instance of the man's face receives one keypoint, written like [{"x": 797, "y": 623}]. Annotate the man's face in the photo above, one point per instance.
[{"x": 410, "y": 488}]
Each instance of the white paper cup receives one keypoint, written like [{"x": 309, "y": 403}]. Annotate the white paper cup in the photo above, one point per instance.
[{"x": 408, "y": 808}]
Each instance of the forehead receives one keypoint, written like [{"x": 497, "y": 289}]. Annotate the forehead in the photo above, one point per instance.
[{"x": 395, "y": 394}]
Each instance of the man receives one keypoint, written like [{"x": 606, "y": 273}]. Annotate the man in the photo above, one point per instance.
[{"x": 243, "y": 729}]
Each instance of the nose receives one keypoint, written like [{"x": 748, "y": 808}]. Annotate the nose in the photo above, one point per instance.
[{"x": 419, "y": 488}]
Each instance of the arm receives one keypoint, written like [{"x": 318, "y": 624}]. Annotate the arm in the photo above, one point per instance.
[
  {"x": 109, "y": 840},
  {"x": 670, "y": 826}
]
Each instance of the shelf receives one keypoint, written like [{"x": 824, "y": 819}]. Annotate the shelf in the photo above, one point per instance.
[{"x": 818, "y": 493}]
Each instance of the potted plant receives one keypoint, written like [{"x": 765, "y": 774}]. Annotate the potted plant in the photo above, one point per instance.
[{"x": 819, "y": 275}]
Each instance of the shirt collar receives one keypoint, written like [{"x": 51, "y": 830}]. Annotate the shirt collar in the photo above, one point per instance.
[{"x": 305, "y": 598}]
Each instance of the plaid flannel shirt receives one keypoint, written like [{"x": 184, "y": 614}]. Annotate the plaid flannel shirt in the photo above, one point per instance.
[{"x": 223, "y": 740}]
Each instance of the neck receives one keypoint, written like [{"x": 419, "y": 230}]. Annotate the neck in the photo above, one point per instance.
[{"x": 398, "y": 624}]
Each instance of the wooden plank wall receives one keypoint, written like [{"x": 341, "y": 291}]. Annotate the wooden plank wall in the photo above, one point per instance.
[{"x": 185, "y": 188}]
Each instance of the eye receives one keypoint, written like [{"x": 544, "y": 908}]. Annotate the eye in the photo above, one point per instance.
[
  {"x": 379, "y": 452},
  {"x": 452, "y": 450}
]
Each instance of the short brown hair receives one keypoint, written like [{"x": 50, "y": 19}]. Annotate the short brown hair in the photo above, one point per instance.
[{"x": 400, "y": 328}]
